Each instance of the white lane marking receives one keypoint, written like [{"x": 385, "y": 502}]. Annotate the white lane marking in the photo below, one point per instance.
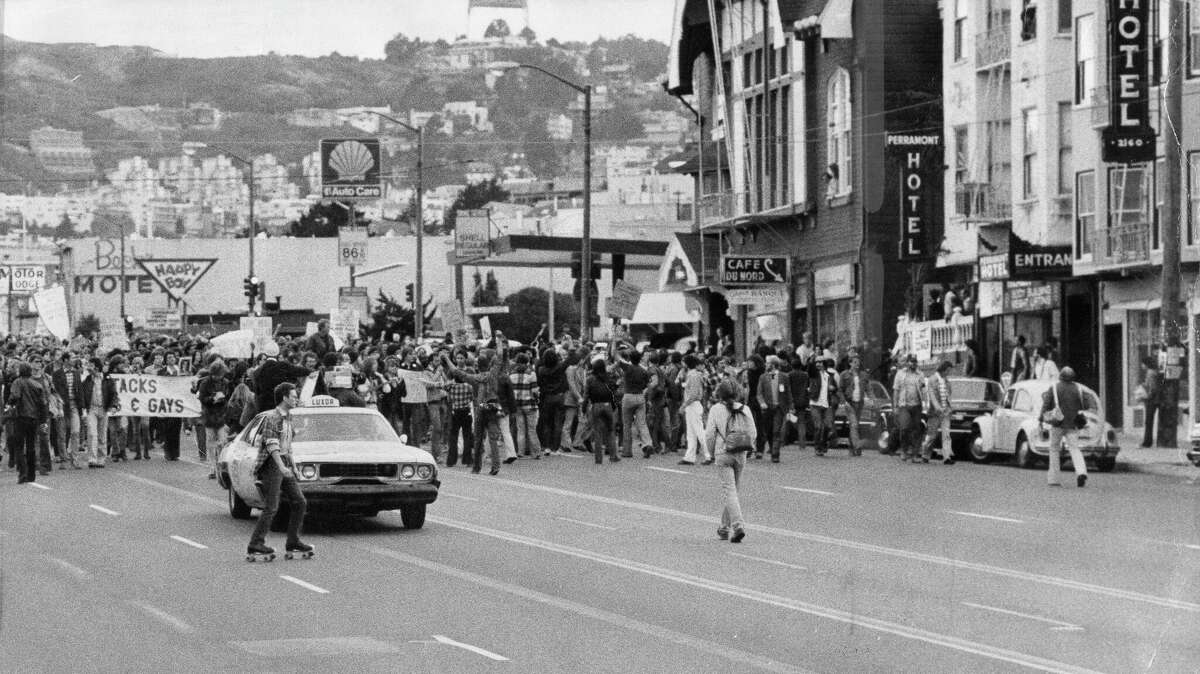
[
  {"x": 1060, "y": 625},
  {"x": 463, "y": 498},
  {"x": 168, "y": 619},
  {"x": 72, "y": 569},
  {"x": 810, "y": 491},
  {"x": 877, "y": 624},
  {"x": 174, "y": 489},
  {"x": 1190, "y": 546},
  {"x": 188, "y": 541},
  {"x": 468, "y": 647},
  {"x": 104, "y": 510},
  {"x": 668, "y": 470},
  {"x": 194, "y": 462},
  {"x": 770, "y": 561},
  {"x": 574, "y": 455},
  {"x": 301, "y": 583},
  {"x": 978, "y": 567},
  {"x": 39, "y": 485},
  {"x": 586, "y": 524},
  {"x": 617, "y": 620},
  {"x": 986, "y": 517}
]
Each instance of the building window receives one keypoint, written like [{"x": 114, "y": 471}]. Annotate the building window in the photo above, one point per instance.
[
  {"x": 1193, "y": 215},
  {"x": 767, "y": 102},
  {"x": 1193, "y": 43},
  {"x": 1085, "y": 212},
  {"x": 1028, "y": 20},
  {"x": 1160, "y": 198},
  {"x": 1065, "y": 168},
  {"x": 960, "y": 29},
  {"x": 1129, "y": 211},
  {"x": 1029, "y": 143},
  {"x": 837, "y": 108},
  {"x": 962, "y": 155},
  {"x": 1064, "y": 16},
  {"x": 1085, "y": 58}
]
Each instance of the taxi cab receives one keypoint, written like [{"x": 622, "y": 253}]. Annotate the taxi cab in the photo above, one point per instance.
[{"x": 347, "y": 460}]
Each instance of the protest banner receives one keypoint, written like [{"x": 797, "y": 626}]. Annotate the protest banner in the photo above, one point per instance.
[
  {"x": 146, "y": 395},
  {"x": 261, "y": 327},
  {"x": 624, "y": 300},
  {"x": 51, "y": 305}
]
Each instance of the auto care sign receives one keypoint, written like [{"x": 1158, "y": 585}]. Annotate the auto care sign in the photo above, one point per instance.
[
  {"x": 1128, "y": 138},
  {"x": 920, "y": 159},
  {"x": 144, "y": 395}
]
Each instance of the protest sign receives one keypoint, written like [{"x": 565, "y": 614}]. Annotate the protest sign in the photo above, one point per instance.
[
  {"x": 51, "y": 306},
  {"x": 145, "y": 395},
  {"x": 261, "y": 327},
  {"x": 624, "y": 300},
  {"x": 112, "y": 336}
]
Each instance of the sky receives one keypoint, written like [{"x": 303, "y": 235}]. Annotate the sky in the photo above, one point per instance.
[{"x": 211, "y": 28}]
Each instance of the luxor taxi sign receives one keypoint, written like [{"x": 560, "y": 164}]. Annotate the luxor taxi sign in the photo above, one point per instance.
[
  {"x": 350, "y": 169},
  {"x": 1128, "y": 138}
]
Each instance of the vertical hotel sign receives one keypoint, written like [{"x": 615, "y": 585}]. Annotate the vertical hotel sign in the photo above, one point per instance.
[
  {"x": 1128, "y": 138},
  {"x": 920, "y": 159}
]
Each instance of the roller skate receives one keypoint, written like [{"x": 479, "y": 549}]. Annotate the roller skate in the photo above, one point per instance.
[
  {"x": 260, "y": 552},
  {"x": 298, "y": 549}
]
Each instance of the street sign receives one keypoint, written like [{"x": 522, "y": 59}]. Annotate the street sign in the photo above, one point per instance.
[
  {"x": 163, "y": 319},
  {"x": 176, "y": 276},
  {"x": 472, "y": 237},
  {"x": 350, "y": 169},
  {"x": 352, "y": 248},
  {"x": 770, "y": 296},
  {"x": 483, "y": 311},
  {"x": 753, "y": 270},
  {"x": 354, "y": 299},
  {"x": 27, "y": 279},
  {"x": 624, "y": 301}
]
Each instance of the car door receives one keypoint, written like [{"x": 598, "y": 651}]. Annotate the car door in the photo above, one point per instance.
[
  {"x": 1022, "y": 409},
  {"x": 243, "y": 453},
  {"x": 1002, "y": 440}
]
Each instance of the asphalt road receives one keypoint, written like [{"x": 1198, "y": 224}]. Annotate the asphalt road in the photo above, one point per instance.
[{"x": 850, "y": 565}]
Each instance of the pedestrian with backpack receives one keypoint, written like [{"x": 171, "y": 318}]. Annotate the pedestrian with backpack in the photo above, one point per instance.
[{"x": 730, "y": 436}]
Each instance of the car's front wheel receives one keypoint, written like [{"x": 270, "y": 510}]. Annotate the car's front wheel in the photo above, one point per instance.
[
  {"x": 238, "y": 509},
  {"x": 1025, "y": 455},
  {"x": 979, "y": 453},
  {"x": 413, "y": 516}
]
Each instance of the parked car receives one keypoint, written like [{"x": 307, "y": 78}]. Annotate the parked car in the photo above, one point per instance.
[
  {"x": 970, "y": 397},
  {"x": 348, "y": 460},
  {"x": 1193, "y": 453},
  {"x": 875, "y": 423},
  {"x": 1012, "y": 430}
]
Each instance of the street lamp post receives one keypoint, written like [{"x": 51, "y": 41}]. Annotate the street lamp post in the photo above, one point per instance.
[
  {"x": 418, "y": 291},
  {"x": 585, "y": 281}
]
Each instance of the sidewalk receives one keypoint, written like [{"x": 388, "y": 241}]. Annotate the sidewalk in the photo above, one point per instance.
[{"x": 1167, "y": 461}]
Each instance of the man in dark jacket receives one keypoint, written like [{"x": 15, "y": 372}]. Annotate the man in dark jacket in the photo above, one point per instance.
[
  {"x": 69, "y": 387},
  {"x": 99, "y": 399},
  {"x": 855, "y": 386},
  {"x": 320, "y": 342},
  {"x": 30, "y": 409},
  {"x": 1066, "y": 396},
  {"x": 798, "y": 381},
  {"x": 271, "y": 373},
  {"x": 775, "y": 400}
]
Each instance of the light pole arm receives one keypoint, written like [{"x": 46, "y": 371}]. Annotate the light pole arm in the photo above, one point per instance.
[{"x": 577, "y": 87}]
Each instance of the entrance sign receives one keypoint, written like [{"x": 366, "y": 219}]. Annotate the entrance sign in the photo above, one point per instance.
[
  {"x": 1128, "y": 138},
  {"x": 352, "y": 248},
  {"x": 350, "y": 169},
  {"x": 176, "y": 276},
  {"x": 753, "y": 270},
  {"x": 472, "y": 237},
  {"x": 149, "y": 396}
]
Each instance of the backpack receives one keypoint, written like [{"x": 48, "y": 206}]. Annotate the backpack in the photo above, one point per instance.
[{"x": 737, "y": 440}]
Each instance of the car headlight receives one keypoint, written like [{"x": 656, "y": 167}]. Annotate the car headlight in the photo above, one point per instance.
[
  {"x": 1112, "y": 437},
  {"x": 407, "y": 471},
  {"x": 308, "y": 472},
  {"x": 424, "y": 471}
]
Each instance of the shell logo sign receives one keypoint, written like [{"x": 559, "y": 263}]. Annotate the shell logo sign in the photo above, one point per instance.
[{"x": 350, "y": 169}]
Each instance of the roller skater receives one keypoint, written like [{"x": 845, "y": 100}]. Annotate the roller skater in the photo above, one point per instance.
[
  {"x": 299, "y": 549},
  {"x": 274, "y": 470},
  {"x": 260, "y": 552}
]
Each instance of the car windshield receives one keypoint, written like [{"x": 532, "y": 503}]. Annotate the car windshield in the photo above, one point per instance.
[
  {"x": 975, "y": 390},
  {"x": 879, "y": 392},
  {"x": 341, "y": 427}
]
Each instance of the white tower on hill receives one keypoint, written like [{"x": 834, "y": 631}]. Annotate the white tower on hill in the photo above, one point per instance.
[{"x": 481, "y": 14}]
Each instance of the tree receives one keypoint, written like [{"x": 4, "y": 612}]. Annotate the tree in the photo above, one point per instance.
[
  {"x": 475, "y": 196},
  {"x": 540, "y": 151},
  {"x": 392, "y": 317},
  {"x": 65, "y": 229},
  {"x": 528, "y": 309},
  {"x": 324, "y": 219},
  {"x": 401, "y": 50},
  {"x": 87, "y": 325},
  {"x": 527, "y": 35},
  {"x": 498, "y": 28}
]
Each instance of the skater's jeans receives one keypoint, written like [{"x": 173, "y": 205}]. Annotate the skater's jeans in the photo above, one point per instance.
[{"x": 273, "y": 485}]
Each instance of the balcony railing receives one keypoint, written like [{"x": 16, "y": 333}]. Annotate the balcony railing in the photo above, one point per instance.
[
  {"x": 993, "y": 47},
  {"x": 983, "y": 202},
  {"x": 717, "y": 207},
  {"x": 939, "y": 337},
  {"x": 1125, "y": 244}
]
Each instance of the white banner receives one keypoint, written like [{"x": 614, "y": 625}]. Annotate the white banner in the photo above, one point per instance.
[
  {"x": 51, "y": 306},
  {"x": 144, "y": 395}
]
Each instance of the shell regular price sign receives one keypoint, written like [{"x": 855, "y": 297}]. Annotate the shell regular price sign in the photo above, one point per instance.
[{"x": 350, "y": 169}]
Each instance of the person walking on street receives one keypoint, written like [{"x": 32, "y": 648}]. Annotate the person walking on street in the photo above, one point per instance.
[
  {"x": 729, "y": 436},
  {"x": 1152, "y": 392},
  {"x": 822, "y": 401},
  {"x": 30, "y": 410},
  {"x": 634, "y": 431},
  {"x": 598, "y": 399},
  {"x": 460, "y": 395},
  {"x": 1062, "y": 410},
  {"x": 274, "y": 470},
  {"x": 1044, "y": 367},
  {"x": 775, "y": 401},
  {"x": 213, "y": 393},
  {"x": 907, "y": 390},
  {"x": 938, "y": 422},
  {"x": 854, "y": 384},
  {"x": 99, "y": 401},
  {"x": 1019, "y": 361},
  {"x": 69, "y": 388},
  {"x": 487, "y": 399},
  {"x": 693, "y": 410},
  {"x": 798, "y": 381}
]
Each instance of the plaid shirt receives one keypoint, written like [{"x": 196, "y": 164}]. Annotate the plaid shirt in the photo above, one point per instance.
[
  {"x": 525, "y": 389},
  {"x": 277, "y": 433},
  {"x": 461, "y": 394}
]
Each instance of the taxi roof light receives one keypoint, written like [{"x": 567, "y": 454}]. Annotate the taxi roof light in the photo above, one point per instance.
[{"x": 322, "y": 401}]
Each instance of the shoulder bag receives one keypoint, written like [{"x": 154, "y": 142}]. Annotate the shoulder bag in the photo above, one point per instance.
[{"x": 1054, "y": 416}]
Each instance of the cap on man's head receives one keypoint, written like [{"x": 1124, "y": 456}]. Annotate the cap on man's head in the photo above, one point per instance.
[
  {"x": 1066, "y": 374},
  {"x": 912, "y": 358}
]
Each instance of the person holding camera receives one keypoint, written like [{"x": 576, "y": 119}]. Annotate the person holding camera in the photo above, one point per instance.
[
  {"x": 730, "y": 436},
  {"x": 486, "y": 381},
  {"x": 1062, "y": 409}
]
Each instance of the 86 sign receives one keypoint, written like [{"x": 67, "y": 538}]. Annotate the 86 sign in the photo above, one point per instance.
[{"x": 352, "y": 249}]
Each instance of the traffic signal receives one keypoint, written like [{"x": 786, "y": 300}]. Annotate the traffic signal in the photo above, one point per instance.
[
  {"x": 408, "y": 293},
  {"x": 251, "y": 287}
]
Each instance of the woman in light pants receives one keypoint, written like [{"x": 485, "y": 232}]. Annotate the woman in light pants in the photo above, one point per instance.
[
  {"x": 693, "y": 411},
  {"x": 729, "y": 415}
]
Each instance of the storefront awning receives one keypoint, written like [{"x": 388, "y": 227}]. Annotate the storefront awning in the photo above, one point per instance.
[{"x": 667, "y": 307}]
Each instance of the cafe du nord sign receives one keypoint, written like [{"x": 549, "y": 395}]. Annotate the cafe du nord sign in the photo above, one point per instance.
[{"x": 752, "y": 270}]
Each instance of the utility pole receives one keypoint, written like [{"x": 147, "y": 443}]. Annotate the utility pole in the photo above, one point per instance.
[
  {"x": 585, "y": 297},
  {"x": 1173, "y": 160},
  {"x": 419, "y": 315}
]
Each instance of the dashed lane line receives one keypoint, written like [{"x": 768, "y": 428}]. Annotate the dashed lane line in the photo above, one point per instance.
[
  {"x": 461, "y": 498},
  {"x": 104, "y": 510},
  {"x": 468, "y": 647},
  {"x": 39, "y": 485},
  {"x": 188, "y": 541},
  {"x": 1055, "y": 581},
  {"x": 986, "y": 517},
  {"x": 764, "y": 560},
  {"x": 164, "y": 617},
  {"x": 810, "y": 491},
  {"x": 70, "y": 568},
  {"x": 586, "y": 524},
  {"x": 876, "y": 624},
  {"x": 668, "y": 470},
  {"x": 304, "y": 584},
  {"x": 1059, "y": 625}
]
